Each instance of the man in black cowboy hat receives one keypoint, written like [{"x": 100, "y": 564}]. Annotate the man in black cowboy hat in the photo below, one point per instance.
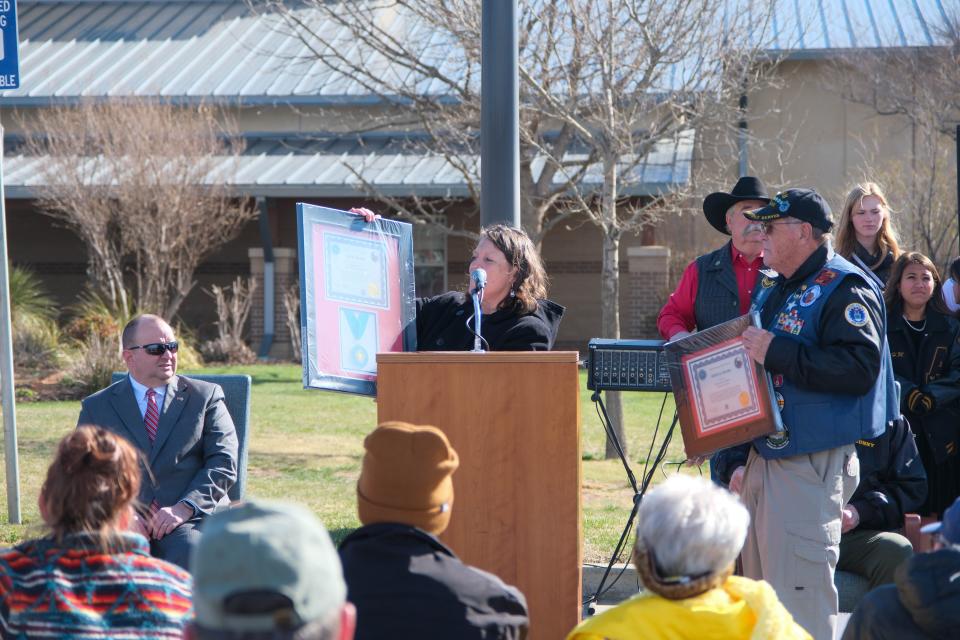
[{"x": 717, "y": 287}]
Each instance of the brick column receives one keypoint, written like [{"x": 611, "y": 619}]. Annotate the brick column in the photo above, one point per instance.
[
  {"x": 285, "y": 273},
  {"x": 647, "y": 282}
]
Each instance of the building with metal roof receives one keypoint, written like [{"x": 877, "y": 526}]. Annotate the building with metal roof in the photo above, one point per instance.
[
  {"x": 216, "y": 49},
  {"x": 295, "y": 113}
]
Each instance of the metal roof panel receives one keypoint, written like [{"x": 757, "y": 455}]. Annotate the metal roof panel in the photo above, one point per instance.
[{"x": 217, "y": 48}]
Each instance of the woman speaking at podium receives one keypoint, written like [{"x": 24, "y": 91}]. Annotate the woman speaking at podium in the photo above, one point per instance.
[{"x": 515, "y": 312}]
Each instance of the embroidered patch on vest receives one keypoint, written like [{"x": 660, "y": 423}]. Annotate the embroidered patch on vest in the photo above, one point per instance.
[
  {"x": 856, "y": 314},
  {"x": 790, "y": 322},
  {"x": 778, "y": 440},
  {"x": 825, "y": 277},
  {"x": 780, "y": 400},
  {"x": 778, "y": 380},
  {"x": 766, "y": 282},
  {"x": 810, "y": 296}
]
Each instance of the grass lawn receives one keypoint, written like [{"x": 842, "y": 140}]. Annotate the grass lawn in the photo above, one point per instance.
[{"x": 306, "y": 446}]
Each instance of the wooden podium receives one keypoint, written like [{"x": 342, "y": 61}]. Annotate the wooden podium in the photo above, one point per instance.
[{"x": 514, "y": 419}]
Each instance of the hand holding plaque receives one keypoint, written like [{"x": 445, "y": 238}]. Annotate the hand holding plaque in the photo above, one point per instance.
[{"x": 724, "y": 397}]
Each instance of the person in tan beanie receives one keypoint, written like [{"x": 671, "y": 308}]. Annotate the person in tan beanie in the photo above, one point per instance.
[
  {"x": 404, "y": 582},
  {"x": 407, "y": 477}
]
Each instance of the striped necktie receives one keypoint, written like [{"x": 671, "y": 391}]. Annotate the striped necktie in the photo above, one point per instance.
[{"x": 151, "y": 419}]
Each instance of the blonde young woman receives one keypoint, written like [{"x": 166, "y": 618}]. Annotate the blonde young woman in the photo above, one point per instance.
[{"x": 865, "y": 235}]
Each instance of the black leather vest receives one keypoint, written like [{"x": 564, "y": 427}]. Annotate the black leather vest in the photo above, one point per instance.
[{"x": 717, "y": 296}]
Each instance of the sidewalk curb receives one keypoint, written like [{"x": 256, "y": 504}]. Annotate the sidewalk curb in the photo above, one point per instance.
[{"x": 615, "y": 590}]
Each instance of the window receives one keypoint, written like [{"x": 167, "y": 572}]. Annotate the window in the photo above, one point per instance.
[{"x": 429, "y": 260}]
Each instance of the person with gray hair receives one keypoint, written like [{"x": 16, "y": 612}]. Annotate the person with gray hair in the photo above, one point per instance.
[
  {"x": 689, "y": 533},
  {"x": 268, "y": 570}
]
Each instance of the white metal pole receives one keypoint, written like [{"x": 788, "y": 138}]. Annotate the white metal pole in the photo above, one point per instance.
[{"x": 11, "y": 456}]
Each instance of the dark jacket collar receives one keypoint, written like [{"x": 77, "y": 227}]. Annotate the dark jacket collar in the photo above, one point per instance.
[
  {"x": 812, "y": 264},
  {"x": 936, "y": 321},
  {"x": 382, "y": 530}
]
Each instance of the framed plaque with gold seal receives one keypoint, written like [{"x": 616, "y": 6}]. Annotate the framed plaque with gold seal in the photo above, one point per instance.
[
  {"x": 357, "y": 296},
  {"x": 723, "y": 397}
]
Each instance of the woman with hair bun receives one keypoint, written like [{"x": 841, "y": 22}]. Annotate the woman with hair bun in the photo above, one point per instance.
[{"x": 91, "y": 577}]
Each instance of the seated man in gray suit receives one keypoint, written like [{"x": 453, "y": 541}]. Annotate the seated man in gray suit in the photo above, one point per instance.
[{"x": 184, "y": 430}]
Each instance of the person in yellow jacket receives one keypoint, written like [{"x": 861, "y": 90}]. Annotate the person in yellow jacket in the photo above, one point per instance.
[{"x": 689, "y": 533}]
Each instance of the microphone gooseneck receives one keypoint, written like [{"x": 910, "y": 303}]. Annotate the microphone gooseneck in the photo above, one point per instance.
[{"x": 479, "y": 278}]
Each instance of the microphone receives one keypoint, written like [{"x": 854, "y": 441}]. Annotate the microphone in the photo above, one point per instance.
[{"x": 479, "y": 277}]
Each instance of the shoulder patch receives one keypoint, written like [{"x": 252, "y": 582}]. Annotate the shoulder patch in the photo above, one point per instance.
[
  {"x": 825, "y": 277},
  {"x": 810, "y": 296},
  {"x": 856, "y": 314}
]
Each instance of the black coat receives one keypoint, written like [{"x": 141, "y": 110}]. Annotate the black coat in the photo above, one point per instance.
[
  {"x": 934, "y": 368},
  {"x": 406, "y": 584},
  {"x": 924, "y": 602},
  {"x": 892, "y": 479},
  {"x": 442, "y": 325},
  {"x": 880, "y": 268}
]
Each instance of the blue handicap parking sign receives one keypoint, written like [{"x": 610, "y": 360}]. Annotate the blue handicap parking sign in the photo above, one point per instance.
[{"x": 9, "y": 46}]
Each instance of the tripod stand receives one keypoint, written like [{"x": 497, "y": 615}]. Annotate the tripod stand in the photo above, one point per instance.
[{"x": 638, "y": 491}]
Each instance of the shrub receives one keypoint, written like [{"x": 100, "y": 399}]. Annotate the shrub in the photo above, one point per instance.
[
  {"x": 36, "y": 337},
  {"x": 233, "y": 309},
  {"x": 36, "y": 345},
  {"x": 93, "y": 314},
  {"x": 96, "y": 358}
]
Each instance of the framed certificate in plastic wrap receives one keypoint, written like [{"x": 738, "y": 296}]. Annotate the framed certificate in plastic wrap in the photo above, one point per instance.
[
  {"x": 723, "y": 397},
  {"x": 357, "y": 296}
]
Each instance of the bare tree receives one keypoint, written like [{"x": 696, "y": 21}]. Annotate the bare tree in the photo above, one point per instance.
[
  {"x": 291, "y": 309},
  {"x": 143, "y": 184},
  {"x": 917, "y": 89},
  {"x": 233, "y": 309},
  {"x": 603, "y": 84}
]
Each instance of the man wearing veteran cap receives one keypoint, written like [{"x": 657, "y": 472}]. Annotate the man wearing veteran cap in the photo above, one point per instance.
[
  {"x": 824, "y": 342},
  {"x": 268, "y": 570},
  {"x": 404, "y": 582},
  {"x": 924, "y": 602}
]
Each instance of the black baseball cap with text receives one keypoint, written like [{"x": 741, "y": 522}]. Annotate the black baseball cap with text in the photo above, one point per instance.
[{"x": 803, "y": 204}]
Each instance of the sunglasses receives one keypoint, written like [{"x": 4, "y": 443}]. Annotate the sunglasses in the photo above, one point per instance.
[
  {"x": 767, "y": 227},
  {"x": 157, "y": 348}
]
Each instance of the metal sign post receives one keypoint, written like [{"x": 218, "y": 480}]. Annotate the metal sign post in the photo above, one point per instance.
[
  {"x": 499, "y": 115},
  {"x": 9, "y": 79}
]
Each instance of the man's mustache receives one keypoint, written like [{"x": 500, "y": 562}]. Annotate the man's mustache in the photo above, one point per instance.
[{"x": 753, "y": 227}]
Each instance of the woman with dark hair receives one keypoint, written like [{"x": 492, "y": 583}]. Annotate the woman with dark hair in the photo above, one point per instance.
[
  {"x": 865, "y": 235},
  {"x": 926, "y": 361},
  {"x": 516, "y": 315},
  {"x": 91, "y": 577},
  {"x": 951, "y": 288}
]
